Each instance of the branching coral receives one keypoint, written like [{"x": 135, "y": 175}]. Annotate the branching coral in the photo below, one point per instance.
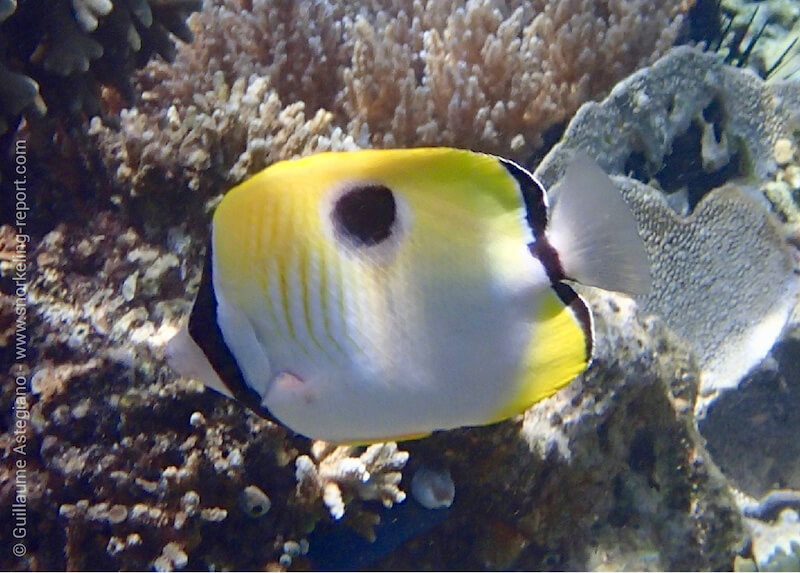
[
  {"x": 67, "y": 50},
  {"x": 483, "y": 74},
  {"x": 243, "y": 127},
  {"x": 339, "y": 474}
]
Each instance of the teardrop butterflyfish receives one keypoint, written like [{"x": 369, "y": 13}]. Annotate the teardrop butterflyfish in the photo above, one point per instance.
[{"x": 363, "y": 296}]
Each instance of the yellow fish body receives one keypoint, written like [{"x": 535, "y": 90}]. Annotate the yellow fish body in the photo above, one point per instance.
[{"x": 373, "y": 295}]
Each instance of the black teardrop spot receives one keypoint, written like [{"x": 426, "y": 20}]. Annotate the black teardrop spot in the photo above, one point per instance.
[{"x": 364, "y": 216}]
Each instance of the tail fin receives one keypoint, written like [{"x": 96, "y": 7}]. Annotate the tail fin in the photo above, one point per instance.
[{"x": 594, "y": 231}]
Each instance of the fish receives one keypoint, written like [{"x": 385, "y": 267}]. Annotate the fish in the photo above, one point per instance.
[{"x": 373, "y": 295}]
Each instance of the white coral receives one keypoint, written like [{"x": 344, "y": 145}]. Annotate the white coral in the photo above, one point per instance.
[
  {"x": 776, "y": 545},
  {"x": 340, "y": 473},
  {"x": 89, "y": 12}
]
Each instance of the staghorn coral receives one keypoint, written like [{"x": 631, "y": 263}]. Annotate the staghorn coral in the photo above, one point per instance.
[{"x": 482, "y": 74}]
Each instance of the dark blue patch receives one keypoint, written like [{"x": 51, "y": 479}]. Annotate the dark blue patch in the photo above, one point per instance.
[{"x": 336, "y": 547}]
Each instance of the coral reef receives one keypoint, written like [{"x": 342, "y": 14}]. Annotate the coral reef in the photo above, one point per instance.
[
  {"x": 57, "y": 54},
  {"x": 337, "y": 475},
  {"x": 237, "y": 128},
  {"x": 119, "y": 457},
  {"x": 719, "y": 253},
  {"x": 654, "y": 125},
  {"x": 688, "y": 104},
  {"x": 609, "y": 473},
  {"x": 276, "y": 79},
  {"x": 129, "y": 467}
]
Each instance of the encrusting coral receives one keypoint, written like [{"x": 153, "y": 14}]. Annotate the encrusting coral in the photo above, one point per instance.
[
  {"x": 270, "y": 80},
  {"x": 689, "y": 124},
  {"x": 709, "y": 246}
]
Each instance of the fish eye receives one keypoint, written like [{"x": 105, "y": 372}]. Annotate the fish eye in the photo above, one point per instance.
[{"x": 365, "y": 216}]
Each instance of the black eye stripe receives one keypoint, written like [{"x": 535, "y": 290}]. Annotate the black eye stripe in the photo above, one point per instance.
[
  {"x": 365, "y": 216},
  {"x": 205, "y": 331}
]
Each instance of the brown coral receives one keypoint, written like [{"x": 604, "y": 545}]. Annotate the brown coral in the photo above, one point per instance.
[{"x": 486, "y": 75}]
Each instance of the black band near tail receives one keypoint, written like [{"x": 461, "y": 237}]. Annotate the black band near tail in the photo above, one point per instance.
[
  {"x": 582, "y": 313},
  {"x": 533, "y": 196},
  {"x": 204, "y": 330}
]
